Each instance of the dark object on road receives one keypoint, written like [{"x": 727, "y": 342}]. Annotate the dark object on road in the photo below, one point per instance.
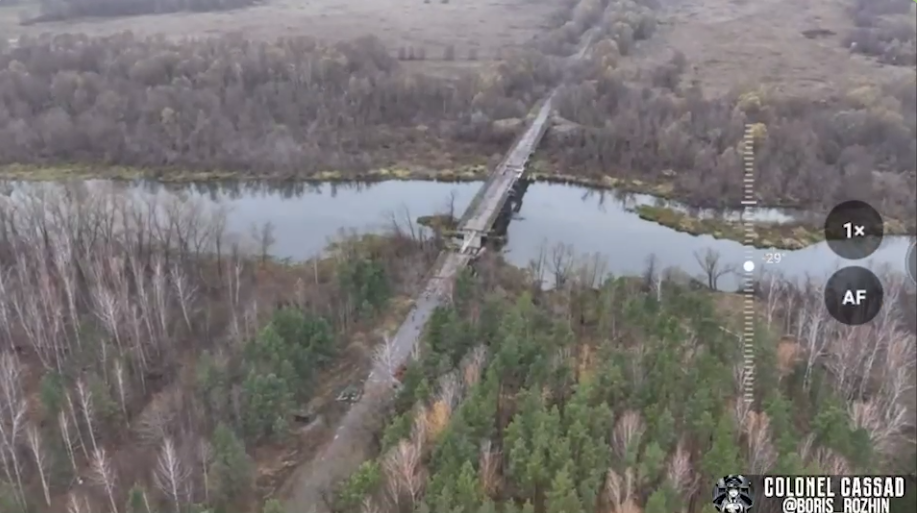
[
  {"x": 817, "y": 33},
  {"x": 350, "y": 394},
  {"x": 399, "y": 374}
]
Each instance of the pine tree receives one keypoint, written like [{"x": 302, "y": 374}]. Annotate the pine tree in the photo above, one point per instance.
[
  {"x": 467, "y": 489},
  {"x": 267, "y": 401},
  {"x": 230, "y": 469},
  {"x": 657, "y": 503},
  {"x": 562, "y": 497},
  {"x": 723, "y": 457},
  {"x": 136, "y": 499},
  {"x": 273, "y": 506}
]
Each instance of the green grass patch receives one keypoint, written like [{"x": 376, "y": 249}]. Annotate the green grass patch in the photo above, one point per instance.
[
  {"x": 438, "y": 222},
  {"x": 176, "y": 175},
  {"x": 789, "y": 236}
]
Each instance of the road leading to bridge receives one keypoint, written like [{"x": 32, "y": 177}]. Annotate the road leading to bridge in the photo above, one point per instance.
[{"x": 352, "y": 443}]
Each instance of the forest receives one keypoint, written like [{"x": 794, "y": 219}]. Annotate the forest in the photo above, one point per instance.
[
  {"x": 296, "y": 107},
  {"x": 808, "y": 153},
  {"x": 884, "y": 29},
  {"x": 147, "y": 353},
  {"x": 629, "y": 395}
]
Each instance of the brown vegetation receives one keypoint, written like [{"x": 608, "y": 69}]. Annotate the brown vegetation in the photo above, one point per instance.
[
  {"x": 771, "y": 45},
  {"x": 885, "y": 29},
  {"x": 484, "y": 27},
  {"x": 298, "y": 107},
  {"x": 294, "y": 105},
  {"x": 131, "y": 329},
  {"x": 814, "y": 154}
]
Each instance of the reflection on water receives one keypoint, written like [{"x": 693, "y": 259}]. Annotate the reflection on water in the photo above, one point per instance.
[
  {"x": 239, "y": 189},
  {"x": 596, "y": 223},
  {"x": 306, "y": 216}
]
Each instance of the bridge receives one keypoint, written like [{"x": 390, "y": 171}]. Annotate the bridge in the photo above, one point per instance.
[
  {"x": 351, "y": 445},
  {"x": 491, "y": 199}
]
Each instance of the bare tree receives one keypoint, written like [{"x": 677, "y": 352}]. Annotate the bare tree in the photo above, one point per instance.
[
  {"x": 71, "y": 408},
  {"x": 64, "y": 426},
  {"x": 489, "y": 465},
  {"x": 403, "y": 472},
  {"x": 76, "y": 504},
  {"x": 104, "y": 476},
  {"x": 450, "y": 204},
  {"x": 85, "y": 397},
  {"x": 619, "y": 490},
  {"x": 12, "y": 419},
  {"x": 709, "y": 261},
  {"x": 205, "y": 456},
  {"x": 38, "y": 453},
  {"x": 185, "y": 292},
  {"x": 536, "y": 267},
  {"x": 650, "y": 272},
  {"x": 386, "y": 359},
  {"x": 369, "y": 505},
  {"x": 266, "y": 239},
  {"x": 680, "y": 472},
  {"x": 121, "y": 387},
  {"x": 170, "y": 474},
  {"x": 591, "y": 270},
  {"x": 760, "y": 451},
  {"x": 473, "y": 365},
  {"x": 155, "y": 422},
  {"x": 627, "y": 432},
  {"x": 561, "y": 264}
]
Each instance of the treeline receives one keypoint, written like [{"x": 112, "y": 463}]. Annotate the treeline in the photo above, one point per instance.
[
  {"x": 292, "y": 106},
  {"x": 884, "y": 29},
  {"x": 631, "y": 397},
  {"x": 296, "y": 106},
  {"x": 146, "y": 351},
  {"x": 625, "y": 21},
  {"x": 809, "y": 153},
  {"x": 228, "y": 103},
  {"x": 59, "y": 10}
]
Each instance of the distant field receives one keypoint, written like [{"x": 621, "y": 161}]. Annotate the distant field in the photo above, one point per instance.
[
  {"x": 742, "y": 43},
  {"x": 484, "y": 25}
]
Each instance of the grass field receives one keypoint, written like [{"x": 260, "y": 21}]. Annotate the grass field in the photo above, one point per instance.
[
  {"x": 487, "y": 26},
  {"x": 789, "y": 46}
]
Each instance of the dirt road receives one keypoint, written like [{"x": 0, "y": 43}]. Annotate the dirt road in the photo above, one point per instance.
[{"x": 306, "y": 490}]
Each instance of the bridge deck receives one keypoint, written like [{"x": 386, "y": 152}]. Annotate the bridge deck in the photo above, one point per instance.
[{"x": 495, "y": 191}]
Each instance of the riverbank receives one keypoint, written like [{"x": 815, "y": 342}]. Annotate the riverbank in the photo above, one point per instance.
[{"x": 779, "y": 235}]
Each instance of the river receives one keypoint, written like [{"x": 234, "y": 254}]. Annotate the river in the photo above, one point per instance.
[{"x": 306, "y": 217}]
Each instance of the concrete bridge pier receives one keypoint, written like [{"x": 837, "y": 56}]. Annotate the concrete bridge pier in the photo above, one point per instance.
[
  {"x": 511, "y": 207},
  {"x": 518, "y": 192}
]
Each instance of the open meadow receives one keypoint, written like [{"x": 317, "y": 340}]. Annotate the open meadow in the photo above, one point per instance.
[
  {"x": 789, "y": 46},
  {"x": 484, "y": 27}
]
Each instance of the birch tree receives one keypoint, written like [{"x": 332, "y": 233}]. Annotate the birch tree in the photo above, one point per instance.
[{"x": 170, "y": 474}]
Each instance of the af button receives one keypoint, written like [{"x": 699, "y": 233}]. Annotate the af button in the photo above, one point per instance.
[
  {"x": 854, "y": 230},
  {"x": 854, "y": 296}
]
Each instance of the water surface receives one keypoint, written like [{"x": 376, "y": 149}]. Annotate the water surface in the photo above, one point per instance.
[
  {"x": 306, "y": 217},
  {"x": 588, "y": 221}
]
